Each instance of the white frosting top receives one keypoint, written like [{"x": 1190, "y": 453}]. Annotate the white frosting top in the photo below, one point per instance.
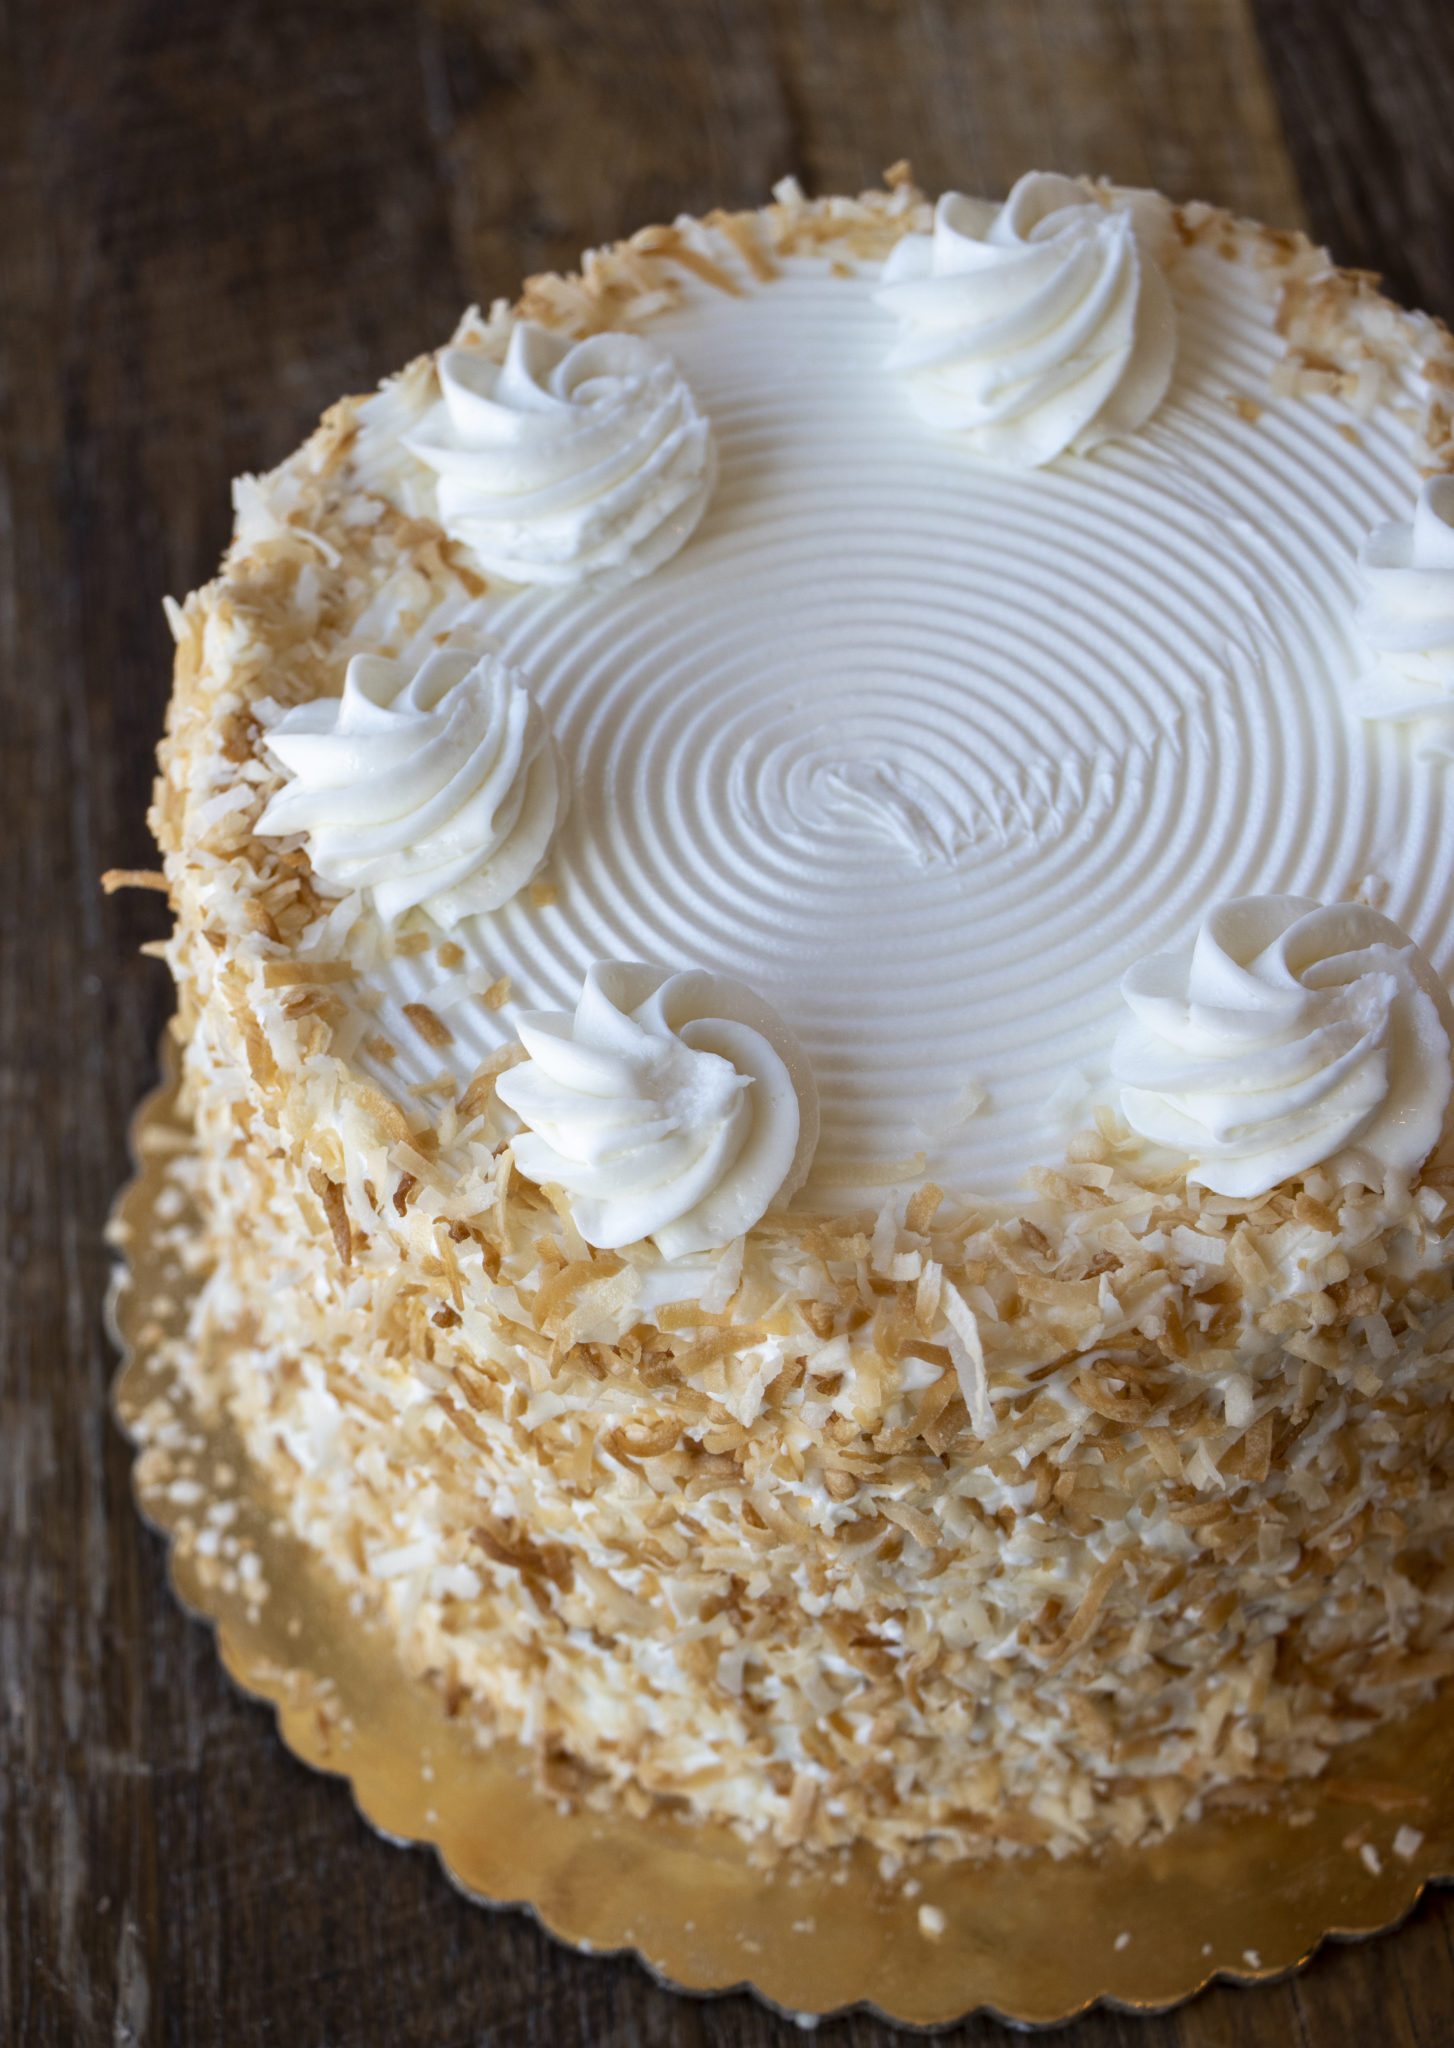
[
  {"x": 672, "y": 1106},
  {"x": 929, "y": 750},
  {"x": 1040, "y": 326},
  {"x": 434, "y": 786},
  {"x": 1294, "y": 1032},
  {"x": 1407, "y": 613},
  {"x": 569, "y": 459}
]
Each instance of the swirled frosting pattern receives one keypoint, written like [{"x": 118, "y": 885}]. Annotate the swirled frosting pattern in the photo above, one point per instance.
[
  {"x": 930, "y": 750},
  {"x": 1294, "y": 1032},
  {"x": 569, "y": 459},
  {"x": 433, "y": 787},
  {"x": 1407, "y": 614},
  {"x": 671, "y": 1106},
  {"x": 1043, "y": 326}
]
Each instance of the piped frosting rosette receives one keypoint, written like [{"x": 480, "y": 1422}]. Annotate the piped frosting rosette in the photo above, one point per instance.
[
  {"x": 1294, "y": 1034},
  {"x": 1406, "y": 615},
  {"x": 672, "y": 1106},
  {"x": 571, "y": 459},
  {"x": 435, "y": 787},
  {"x": 1040, "y": 326}
]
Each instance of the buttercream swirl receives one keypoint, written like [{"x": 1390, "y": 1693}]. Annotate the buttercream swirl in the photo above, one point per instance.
[
  {"x": 435, "y": 788},
  {"x": 1044, "y": 326},
  {"x": 570, "y": 459},
  {"x": 1406, "y": 614},
  {"x": 1295, "y": 1032},
  {"x": 671, "y": 1106}
]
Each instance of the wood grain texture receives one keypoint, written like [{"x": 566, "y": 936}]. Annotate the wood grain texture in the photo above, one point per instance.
[
  {"x": 215, "y": 219},
  {"x": 706, "y": 104},
  {"x": 1368, "y": 96}
]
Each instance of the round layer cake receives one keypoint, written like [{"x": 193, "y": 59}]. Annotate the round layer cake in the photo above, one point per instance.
[{"x": 814, "y": 889}]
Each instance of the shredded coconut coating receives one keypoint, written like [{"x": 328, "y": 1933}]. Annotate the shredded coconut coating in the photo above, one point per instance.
[{"x": 959, "y": 1526}]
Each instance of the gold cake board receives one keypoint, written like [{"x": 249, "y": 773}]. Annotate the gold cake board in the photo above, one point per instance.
[{"x": 1245, "y": 1895}]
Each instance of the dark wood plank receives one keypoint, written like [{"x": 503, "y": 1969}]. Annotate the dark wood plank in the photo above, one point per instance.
[
  {"x": 215, "y": 219},
  {"x": 704, "y": 105},
  {"x": 1367, "y": 95}
]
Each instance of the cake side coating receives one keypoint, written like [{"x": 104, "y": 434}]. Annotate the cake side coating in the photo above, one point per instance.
[{"x": 948, "y": 1521}]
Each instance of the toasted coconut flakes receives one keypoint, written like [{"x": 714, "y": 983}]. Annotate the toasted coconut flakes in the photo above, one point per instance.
[
  {"x": 431, "y": 1028},
  {"x": 967, "y": 1352},
  {"x": 690, "y": 1315},
  {"x": 386, "y": 1114},
  {"x": 307, "y": 973},
  {"x": 134, "y": 878},
  {"x": 726, "y": 1278},
  {"x": 1238, "y": 1400},
  {"x": 917, "y": 1524},
  {"x": 559, "y": 1291},
  {"x": 444, "y": 1086},
  {"x": 927, "y": 1296},
  {"x": 869, "y": 1173},
  {"x": 335, "y": 1209},
  {"x": 1083, "y": 1621},
  {"x": 1257, "y": 1455},
  {"x": 742, "y": 230},
  {"x": 722, "y": 1344},
  {"x": 1202, "y": 1471},
  {"x": 1163, "y": 1447},
  {"x": 1127, "y": 1406},
  {"x": 1378, "y": 1337},
  {"x": 923, "y": 1207},
  {"x": 480, "y": 1092},
  {"x": 1399, "y": 1671},
  {"x": 1061, "y": 1188},
  {"x": 672, "y": 244},
  {"x": 646, "y": 1439},
  {"x": 1197, "y": 1514}
]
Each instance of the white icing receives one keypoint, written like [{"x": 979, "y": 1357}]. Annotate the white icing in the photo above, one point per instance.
[
  {"x": 1407, "y": 614},
  {"x": 569, "y": 459},
  {"x": 671, "y": 1106},
  {"x": 885, "y": 801},
  {"x": 1294, "y": 1032},
  {"x": 434, "y": 786},
  {"x": 1123, "y": 680},
  {"x": 1044, "y": 326}
]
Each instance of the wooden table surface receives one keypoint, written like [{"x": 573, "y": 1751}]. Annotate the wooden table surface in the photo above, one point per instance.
[{"x": 217, "y": 216}]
